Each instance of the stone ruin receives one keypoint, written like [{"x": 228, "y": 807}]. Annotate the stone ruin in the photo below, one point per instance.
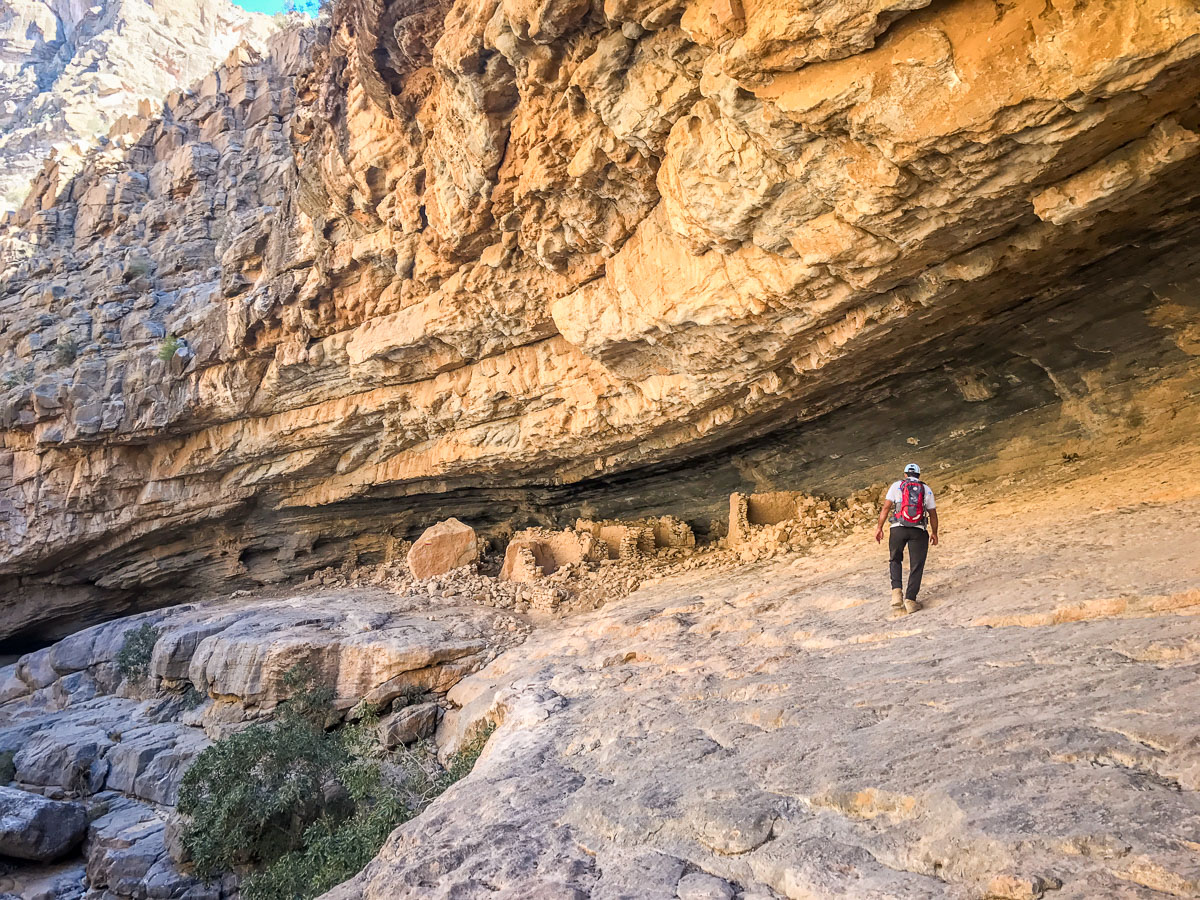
[
  {"x": 641, "y": 537},
  {"x": 762, "y": 524},
  {"x": 538, "y": 552}
]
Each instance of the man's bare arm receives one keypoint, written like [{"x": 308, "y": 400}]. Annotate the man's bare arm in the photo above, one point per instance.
[
  {"x": 933, "y": 538},
  {"x": 883, "y": 517}
]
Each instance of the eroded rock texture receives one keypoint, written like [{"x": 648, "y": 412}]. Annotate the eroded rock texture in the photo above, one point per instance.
[
  {"x": 72, "y": 70},
  {"x": 75, "y": 728},
  {"x": 477, "y": 252},
  {"x": 768, "y": 732}
]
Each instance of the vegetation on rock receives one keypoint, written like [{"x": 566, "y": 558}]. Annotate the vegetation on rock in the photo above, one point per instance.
[
  {"x": 301, "y": 807},
  {"x": 167, "y": 348},
  {"x": 133, "y": 659}
]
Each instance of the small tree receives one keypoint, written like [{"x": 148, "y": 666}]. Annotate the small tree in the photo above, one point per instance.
[
  {"x": 306, "y": 807},
  {"x": 166, "y": 350},
  {"x": 133, "y": 659},
  {"x": 250, "y": 796}
]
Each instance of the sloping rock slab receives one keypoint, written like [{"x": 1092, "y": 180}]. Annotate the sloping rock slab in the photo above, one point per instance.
[{"x": 33, "y": 827}]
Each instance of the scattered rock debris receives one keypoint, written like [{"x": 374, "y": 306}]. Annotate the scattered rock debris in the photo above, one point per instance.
[{"x": 544, "y": 572}]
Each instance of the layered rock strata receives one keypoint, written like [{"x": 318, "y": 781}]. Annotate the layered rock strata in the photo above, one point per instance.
[{"x": 477, "y": 253}]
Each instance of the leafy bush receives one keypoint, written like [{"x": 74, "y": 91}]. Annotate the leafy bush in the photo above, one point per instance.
[
  {"x": 334, "y": 848},
  {"x": 133, "y": 659},
  {"x": 8, "y": 770},
  {"x": 66, "y": 350},
  {"x": 166, "y": 350},
  {"x": 462, "y": 762},
  {"x": 307, "y": 808},
  {"x": 16, "y": 377},
  {"x": 250, "y": 796}
]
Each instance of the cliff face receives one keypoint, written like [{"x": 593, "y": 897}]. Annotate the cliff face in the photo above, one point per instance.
[
  {"x": 70, "y": 70},
  {"x": 506, "y": 258}
]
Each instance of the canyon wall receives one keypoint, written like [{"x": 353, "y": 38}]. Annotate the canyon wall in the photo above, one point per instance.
[
  {"x": 72, "y": 72},
  {"x": 517, "y": 261}
]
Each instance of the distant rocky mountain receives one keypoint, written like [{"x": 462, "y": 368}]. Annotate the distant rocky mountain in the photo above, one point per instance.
[{"x": 70, "y": 69}]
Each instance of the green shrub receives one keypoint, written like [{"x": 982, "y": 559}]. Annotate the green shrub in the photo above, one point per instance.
[
  {"x": 16, "y": 377},
  {"x": 133, "y": 659},
  {"x": 8, "y": 770},
  {"x": 303, "y": 807},
  {"x": 334, "y": 848},
  {"x": 249, "y": 797},
  {"x": 166, "y": 350},
  {"x": 462, "y": 762},
  {"x": 192, "y": 698},
  {"x": 65, "y": 351}
]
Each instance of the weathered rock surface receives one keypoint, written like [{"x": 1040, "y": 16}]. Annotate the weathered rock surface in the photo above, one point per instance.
[
  {"x": 769, "y": 731},
  {"x": 74, "y": 727},
  {"x": 442, "y": 547},
  {"x": 535, "y": 262},
  {"x": 412, "y": 723},
  {"x": 71, "y": 71},
  {"x": 33, "y": 827}
]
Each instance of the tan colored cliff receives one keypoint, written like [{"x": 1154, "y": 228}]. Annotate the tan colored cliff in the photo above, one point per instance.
[{"x": 477, "y": 258}]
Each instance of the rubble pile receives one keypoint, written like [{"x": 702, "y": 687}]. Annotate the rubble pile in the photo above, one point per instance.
[{"x": 545, "y": 572}]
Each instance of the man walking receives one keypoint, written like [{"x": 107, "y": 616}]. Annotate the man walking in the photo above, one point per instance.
[{"x": 910, "y": 506}]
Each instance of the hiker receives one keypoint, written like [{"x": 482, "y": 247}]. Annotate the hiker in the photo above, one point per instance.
[{"x": 910, "y": 506}]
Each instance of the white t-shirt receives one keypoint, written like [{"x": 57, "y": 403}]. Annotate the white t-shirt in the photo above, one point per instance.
[{"x": 893, "y": 494}]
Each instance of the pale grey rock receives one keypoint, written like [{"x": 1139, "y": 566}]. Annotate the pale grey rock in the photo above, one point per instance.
[
  {"x": 701, "y": 886},
  {"x": 148, "y": 762},
  {"x": 35, "y": 828},
  {"x": 771, "y": 727},
  {"x": 412, "y": 723},
  {"x": 11, "y": 684},
  {"x": 70, "y": 71},
  {"x": 126, "y": 748},
  {"x": 35, "y": 669}
]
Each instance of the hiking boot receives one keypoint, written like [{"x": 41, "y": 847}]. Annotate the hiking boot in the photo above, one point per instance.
[
  {"x": 911, "y": 605},
  {"x": 897, "y": 600}
]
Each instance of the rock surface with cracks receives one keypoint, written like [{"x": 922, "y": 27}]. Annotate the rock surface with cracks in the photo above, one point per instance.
[
  {"x": 72, "y": 73},
  {"x": 771, "y": 730}
]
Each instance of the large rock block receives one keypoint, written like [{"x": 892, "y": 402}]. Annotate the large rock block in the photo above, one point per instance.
[
  {"x": 33, "y": 827},
  {"x": 445, "y": 546},
  {"x": 408, "y": 724}
]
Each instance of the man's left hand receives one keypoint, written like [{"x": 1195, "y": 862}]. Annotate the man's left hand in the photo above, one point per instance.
[{"x": 933, "y": 539}]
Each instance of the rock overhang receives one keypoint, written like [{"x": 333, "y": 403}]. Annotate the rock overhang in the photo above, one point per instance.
[{"x": 469, "y": 259}]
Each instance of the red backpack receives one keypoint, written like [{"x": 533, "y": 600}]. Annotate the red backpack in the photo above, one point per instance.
[{"x": 911, "y": 508}]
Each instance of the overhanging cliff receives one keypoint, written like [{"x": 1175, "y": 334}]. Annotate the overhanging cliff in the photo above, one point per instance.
[{"x": 511, "y": 259}]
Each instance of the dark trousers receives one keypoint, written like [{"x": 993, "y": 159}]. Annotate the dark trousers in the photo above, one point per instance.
[{"x": 917, "y": 541}]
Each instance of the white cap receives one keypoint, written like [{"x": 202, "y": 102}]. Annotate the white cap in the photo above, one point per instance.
[{"x": 912, "y": 469}]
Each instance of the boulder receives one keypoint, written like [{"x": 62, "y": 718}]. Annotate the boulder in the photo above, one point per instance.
[
  {"x": 445, "y": 546},
  {"x": 33, "y": 827},
  {"x": 702, "y": 886},
  {"x": 408, "y": 724}
]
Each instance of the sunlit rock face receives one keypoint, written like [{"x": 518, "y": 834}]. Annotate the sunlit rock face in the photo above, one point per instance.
[
  {"x": 71, "y": 70},
  {"x": 507, "y": 260}
]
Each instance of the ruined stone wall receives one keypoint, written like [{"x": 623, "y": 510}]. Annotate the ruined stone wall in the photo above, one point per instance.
[{"x": 530, "y": 261}]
